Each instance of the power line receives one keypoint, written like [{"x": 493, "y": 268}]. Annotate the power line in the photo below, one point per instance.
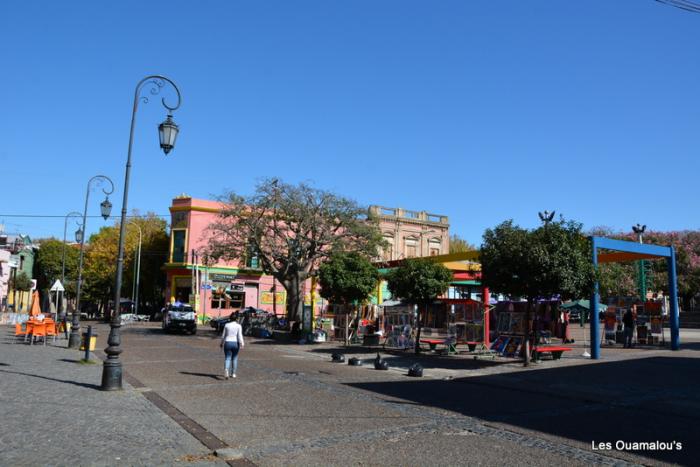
[
  {"x": 39, "y": 216},
  {"x": 686, "y": 5}
]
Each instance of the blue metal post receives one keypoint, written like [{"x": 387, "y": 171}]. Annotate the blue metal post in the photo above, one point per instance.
[
  {"x": 595, "y": 322},
  {"x": 673, "y": 292}
]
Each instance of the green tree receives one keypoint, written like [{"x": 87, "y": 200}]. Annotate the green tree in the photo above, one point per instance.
[
  {"x": 291, "y": 229},
  {"x": 48, "y": 265},
  {"x": 100, "y": 261},
  {"x": 419, "y": 281},
  {"x": 22, "y": 282},
  {"x": 549, "y": 261},
  {"x": 459, "y": 245},
  {"x": 347, "y": 278}
]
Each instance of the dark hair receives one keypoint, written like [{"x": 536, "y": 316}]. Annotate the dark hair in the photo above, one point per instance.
[{"x": 233, "y": 317}]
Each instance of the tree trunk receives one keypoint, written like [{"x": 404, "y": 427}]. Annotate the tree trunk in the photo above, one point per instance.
[
  {"x": 347, "y": 327},
  {"x": 526, "y": 344},
  {"x": 420, "y": 326},
  {"x": 295, "y": 298}
]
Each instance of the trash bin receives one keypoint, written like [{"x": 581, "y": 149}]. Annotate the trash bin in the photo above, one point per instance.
[{"x": 93, "y": 341}]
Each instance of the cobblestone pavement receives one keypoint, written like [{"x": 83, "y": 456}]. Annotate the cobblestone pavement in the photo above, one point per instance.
[
  {"x": 52, "y": 413},
  {"x": 290, "y": 404}
]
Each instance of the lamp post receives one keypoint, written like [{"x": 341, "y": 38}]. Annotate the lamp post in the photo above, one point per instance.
[
  {"x": 105, "y": 210},
  {"x": 168, "y": 130},
  {"x": 642, "y": 280},
  {"x": 546, "y": 217},
  {"x": 135, "y": 288},
  {"x": 62, "y": 312}
]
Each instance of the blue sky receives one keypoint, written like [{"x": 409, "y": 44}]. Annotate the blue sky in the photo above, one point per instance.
[{"x": 480, "y": 110}]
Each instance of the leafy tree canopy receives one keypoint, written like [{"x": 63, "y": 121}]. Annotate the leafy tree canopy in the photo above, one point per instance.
[
  {"x": 459, "y": 245},
  {"x": 49, "y": 262},
  {"x": 419, "y": 280},
  {"x": 544, "y": 262},
  {"x": 22, "y": 282},
  {"x": 291, "y": 229},
  {"x": 621, "y": 278},
  {"x": 101, "y": 253},
  {"x": 347, "y": 278}
]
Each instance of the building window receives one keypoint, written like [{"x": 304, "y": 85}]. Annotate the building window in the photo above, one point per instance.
[
  {"x": 178, "y": 253},
  {"x": 252, "y": 260},
  {"x": 411, "y": 247},
  {"x": 222, "y": 298},
  {"x": 434, "y": 247}
]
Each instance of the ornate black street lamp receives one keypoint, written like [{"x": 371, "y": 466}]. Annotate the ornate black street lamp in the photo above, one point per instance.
[
  {"x": 168, "y": 130},
  {"x": 105, "y": 209}
]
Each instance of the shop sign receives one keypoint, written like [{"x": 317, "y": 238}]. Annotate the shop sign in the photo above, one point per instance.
[
  {"x": 221, "y": 277},
  {"x": 266, "y": 298}
]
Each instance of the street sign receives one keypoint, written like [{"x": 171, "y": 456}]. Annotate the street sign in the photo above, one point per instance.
[
  {"x": 57, "y": 287},
  {"x": 206, "y": 286}
]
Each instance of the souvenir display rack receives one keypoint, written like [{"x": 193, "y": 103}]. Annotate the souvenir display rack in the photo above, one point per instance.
[{"x": 399, "y": 323}]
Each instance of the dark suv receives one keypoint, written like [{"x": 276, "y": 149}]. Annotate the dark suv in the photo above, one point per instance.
[{"x": 181, "y": 317}]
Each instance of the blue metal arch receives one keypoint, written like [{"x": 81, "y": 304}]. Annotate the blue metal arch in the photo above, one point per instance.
[{"x": 632, "y": 247}]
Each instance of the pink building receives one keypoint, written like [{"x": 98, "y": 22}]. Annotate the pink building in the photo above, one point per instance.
[
  {"x": 218, "y": 289},
  {"x": 215, "y": 289}
]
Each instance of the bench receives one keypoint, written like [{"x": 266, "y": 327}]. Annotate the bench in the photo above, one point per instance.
[
  {"x": 554, "y": 350},
  {"x": 471, "y": 345},
  {"x": 433, "y": 343}
]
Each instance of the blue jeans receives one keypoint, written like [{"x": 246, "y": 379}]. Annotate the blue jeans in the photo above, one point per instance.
[{"x": 231, "y": 352}]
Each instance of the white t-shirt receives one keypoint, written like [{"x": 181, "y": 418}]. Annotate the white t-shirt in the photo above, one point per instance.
[{"x": 233, "y": 333}]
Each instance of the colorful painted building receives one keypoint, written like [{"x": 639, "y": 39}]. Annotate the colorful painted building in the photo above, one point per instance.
[
  {"x": 214, "y": 289},
  {"x": 218, "y": 289}
]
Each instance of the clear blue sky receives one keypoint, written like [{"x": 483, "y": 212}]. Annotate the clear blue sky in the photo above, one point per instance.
[{"x": 480, "y": 110}]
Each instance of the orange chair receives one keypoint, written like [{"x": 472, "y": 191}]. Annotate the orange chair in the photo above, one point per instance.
[
  {"x": 19, "y": 331},
  {"x": 38, "y": 330},
  {"x": 28, "y": 332},
  {"x": 51, "y": 329}
]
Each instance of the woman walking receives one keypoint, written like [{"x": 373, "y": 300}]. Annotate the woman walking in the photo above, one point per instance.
[{"x": 231, "y": 342}]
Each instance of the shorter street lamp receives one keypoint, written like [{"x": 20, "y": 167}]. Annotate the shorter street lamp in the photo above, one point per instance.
[
  {"x": 642, "y": 279},
  {"x": 137, "y": 274},
  {"x": 105, "y": 210}
]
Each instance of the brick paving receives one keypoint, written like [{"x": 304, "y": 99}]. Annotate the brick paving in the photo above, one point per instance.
[{"x": 52, "y": 413}]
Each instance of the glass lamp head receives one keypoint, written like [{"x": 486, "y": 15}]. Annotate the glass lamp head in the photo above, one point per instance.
[
  {"x": 106, "y": 208},
  {"x": 167, "y": 131}
]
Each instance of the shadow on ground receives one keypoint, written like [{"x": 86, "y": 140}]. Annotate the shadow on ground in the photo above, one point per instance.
[
  {"x": 428, "y": 360},
  {"x": 203, "y": 375},
  {"x": 652, "y": 399}
]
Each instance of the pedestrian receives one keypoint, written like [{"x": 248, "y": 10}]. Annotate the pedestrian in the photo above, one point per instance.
[
  {"x": 628, "y": 321},
  {"x": 232, "y": 343}
]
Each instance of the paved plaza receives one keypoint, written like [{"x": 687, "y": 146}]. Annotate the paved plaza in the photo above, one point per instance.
[{"x": 291, "y": 405}]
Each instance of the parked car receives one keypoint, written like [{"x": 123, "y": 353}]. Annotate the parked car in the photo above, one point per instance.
[
  {"x": 252, "y": 320},
  {"x": 180, "y": 317},
  {"x": 219, "y": 323}
]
